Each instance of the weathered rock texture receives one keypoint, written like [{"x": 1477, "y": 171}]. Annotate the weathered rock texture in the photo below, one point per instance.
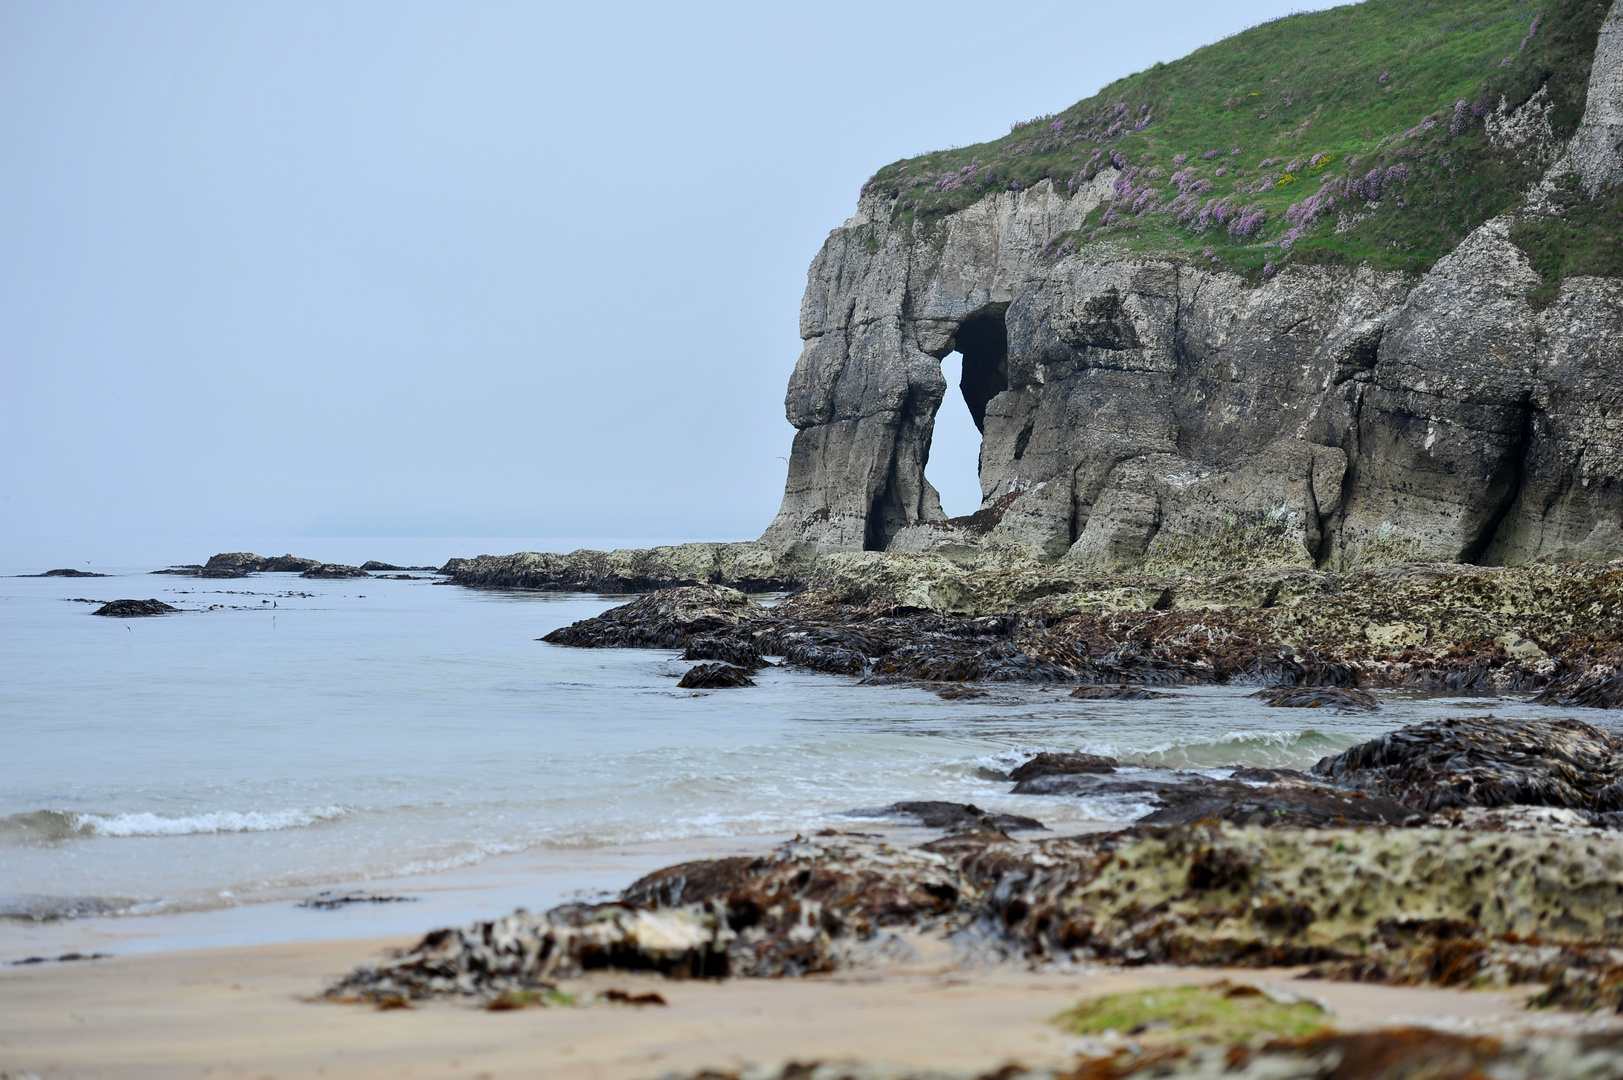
[
  {"x": 1402, "y": 905},
  {"x": 1142, "y": 409}
]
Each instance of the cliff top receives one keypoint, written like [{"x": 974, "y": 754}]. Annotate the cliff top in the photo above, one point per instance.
[{"x": 1377, "y": 133}]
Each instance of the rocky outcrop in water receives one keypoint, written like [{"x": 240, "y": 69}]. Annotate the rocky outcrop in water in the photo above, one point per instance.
[
  {"x": 896, "y": 618},
  {"x": 747, "y": 566},
  {"x": 131, "y": 609},
  {"x": 714, "y": 677},
  {"x": 1487, "y": 761},
  {"x": 333, "y": 571}
]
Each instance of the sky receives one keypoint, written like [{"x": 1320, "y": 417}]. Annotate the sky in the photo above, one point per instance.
[{"x": 466, "y": 269}]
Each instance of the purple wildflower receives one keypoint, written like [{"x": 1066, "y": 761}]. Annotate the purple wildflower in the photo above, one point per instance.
[
  {"x": 1117, "y": 160},
  {"x": 1180, "y": 159},
  {"x": 990, "y": 176},
  {"x": 1208, "y": 155},
  {"x": 1531, "y": 30},
  {"x": 1249, "y": 221},
  {"x": 1234, "y": 152},
  {"x": 1268, "y": 270},
  {"x": 1367, "y": 187},
  {"x": 1303, "y": 215},
  {"x": 1386, "y": 76},
  {"x": 1057, "y": 126},
  {"x": 1462, "y": 118}
]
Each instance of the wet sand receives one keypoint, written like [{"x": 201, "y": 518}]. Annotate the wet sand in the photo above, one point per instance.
[{"x": 247, "y": 1012}]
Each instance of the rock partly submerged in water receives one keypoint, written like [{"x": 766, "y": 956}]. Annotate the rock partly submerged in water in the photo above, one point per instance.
[
  {"x": 1594, "y": 686},
  {"x": 1119, "y": 654},
  {"x": 1123, "y": 692},
  {"x": 130, "y": 609},
  {"x": 1051, "y": 764},
  {"x": 950, "y": 815},
  {"x": 1318, "y": 697},
  {"x": 714, "y": 677},
  {"x": 739, "y": 654},
  {"x": 333, "y": 570},
  {"x": 65, "y": 572},
  {"x": 1274, "y": 806},
  {"x": 1487, "y": 761},
  {"x": 667, "y": 619},
  {"x": 239, "y": 564}
]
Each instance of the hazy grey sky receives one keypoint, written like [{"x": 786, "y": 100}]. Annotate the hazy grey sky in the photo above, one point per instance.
[{"x": 464, "y": 268}]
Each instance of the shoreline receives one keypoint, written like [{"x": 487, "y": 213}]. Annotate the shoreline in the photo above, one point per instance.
[
  {"x": 537, "y": 879},
  {"x": 249, "y": 1011}
]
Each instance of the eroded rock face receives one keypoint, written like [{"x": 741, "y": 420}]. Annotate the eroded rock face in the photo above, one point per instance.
[{"x": 1143, "y": 410}]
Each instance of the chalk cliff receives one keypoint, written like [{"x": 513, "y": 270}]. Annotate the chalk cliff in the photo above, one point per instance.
[{"x": 1176, "y": 408}]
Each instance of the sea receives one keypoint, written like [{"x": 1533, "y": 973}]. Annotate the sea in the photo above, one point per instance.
[{"x": 208, "y": 778}]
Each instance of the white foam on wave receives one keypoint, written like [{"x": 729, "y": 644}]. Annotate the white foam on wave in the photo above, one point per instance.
[{"x": 218, "y": 821}]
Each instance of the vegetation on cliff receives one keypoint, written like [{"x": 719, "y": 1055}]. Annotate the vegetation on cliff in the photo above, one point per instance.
[{"x": 1358, "y": 134}]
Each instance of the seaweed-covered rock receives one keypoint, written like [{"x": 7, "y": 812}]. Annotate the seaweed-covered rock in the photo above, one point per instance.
[
  {"x": 809, "y": 906},
  {"x": 1048, "y": 764},
  {"x": 238, "y": 563},
  {"x": 662, "y": 620},
  {"x": 950, "y": 815},
  {"x": 1318, "y": 697},
  {"x": 526, "y": 952},
  {"x": 130, "y": 609},
  {"x": 1487, "y": 761},
  {"x": 1145, "y": 783},
  {"x": 738, "y": 653},
  {"x": 1389, "y": 1053},
  {"x": 714, "y": 677},
  {"x": 1122, "y": 692},
  {"x": 1290, "y": 806},
  {"x": 1595, "y": 686},
  {"x": 1399, "y": 905},
  {"x": 333, "y": 570}
]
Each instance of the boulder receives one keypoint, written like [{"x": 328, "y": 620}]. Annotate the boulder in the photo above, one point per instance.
[
  {"x": 1486, "y": 761},
  {"x": 714, "y": 677},
  {"x": 128, "y": 609},
  {"x": 949, "y": 815},
  {"x": 1318, "y": 697},
  {"x": 333, "y": 570},
  {"x": 1047, "y": 764}
]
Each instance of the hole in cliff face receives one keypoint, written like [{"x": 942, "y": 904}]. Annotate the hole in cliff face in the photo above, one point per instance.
[
  {"x": 983, "y": 341},
  {"x": 979, "y": 369},
  {"x": 955, "y": 450}
]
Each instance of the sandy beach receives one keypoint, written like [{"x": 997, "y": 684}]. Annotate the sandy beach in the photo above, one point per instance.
[{"x": 250, "y": 1012}]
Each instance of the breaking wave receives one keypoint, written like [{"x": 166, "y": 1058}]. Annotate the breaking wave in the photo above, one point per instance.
[{"x": 47, "y": 826}]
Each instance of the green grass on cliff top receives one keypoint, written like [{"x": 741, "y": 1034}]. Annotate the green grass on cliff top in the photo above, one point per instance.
[{"x": 1294, "y": 109}]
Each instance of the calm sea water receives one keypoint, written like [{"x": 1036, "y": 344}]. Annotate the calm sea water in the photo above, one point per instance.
[{"x": 281, "y": 736}]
